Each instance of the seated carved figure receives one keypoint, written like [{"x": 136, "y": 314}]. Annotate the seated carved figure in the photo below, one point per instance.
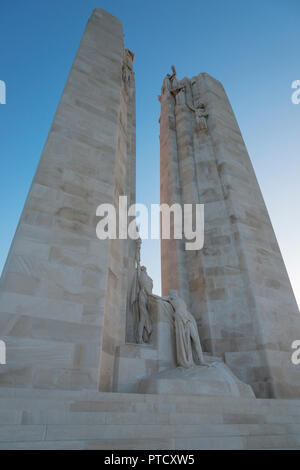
[{"x": 186, "y": 333}]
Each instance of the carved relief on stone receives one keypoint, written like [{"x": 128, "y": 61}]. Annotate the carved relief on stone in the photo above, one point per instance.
[
  {"x": 172, "y": 122},
  {"x": 171, "y": 84},
  {"x": 166, "y": 87},
  {"x": 127, "y": 68},
  {"x": 179, "y": 94},
  {"x": 177, "y": 90},
  {"x": 201, "y": 115}
]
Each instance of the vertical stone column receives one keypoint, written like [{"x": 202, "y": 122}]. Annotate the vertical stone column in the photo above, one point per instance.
[
  {"x": 62, "y": 290},
  {"x": 120, "y": 251},
  {"x": 237, "y": 285}
]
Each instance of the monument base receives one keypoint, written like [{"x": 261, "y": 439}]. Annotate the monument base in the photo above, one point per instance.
[
  {"x": 213, "y": 380},
  {"x": 32, "y": 419}
]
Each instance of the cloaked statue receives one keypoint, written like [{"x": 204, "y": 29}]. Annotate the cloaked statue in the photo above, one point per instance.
[
  {"x": 188, "y": 346},
  {"x": 140, "y": 299},
  {"x": 186, "y": 332}
]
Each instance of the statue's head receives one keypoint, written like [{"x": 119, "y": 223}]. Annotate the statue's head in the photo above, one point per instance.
[{"x": 173, "y": 294}]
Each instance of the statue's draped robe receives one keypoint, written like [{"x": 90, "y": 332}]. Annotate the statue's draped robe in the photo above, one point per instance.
[
  {"x": 134, "y": 297},
  {"x": 139, "y": 299},
  {"x": 183, "y": 341},
  {"x": 144, "y": 302}
]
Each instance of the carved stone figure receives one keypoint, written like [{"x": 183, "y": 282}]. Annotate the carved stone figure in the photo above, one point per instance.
[
  {"x": 200, "y": 115},
  {"x": 171, "y": 84},
  {"x": 179, "y": 93},
  {"x": 138, "y": 252},
  {"x": 127, "y": 68},
  {"x": 144, "y": 324},
  {"x": 140, "y": 299},
  {"x": 186, "y": 333},
  {"x": 174, "y": 73}
]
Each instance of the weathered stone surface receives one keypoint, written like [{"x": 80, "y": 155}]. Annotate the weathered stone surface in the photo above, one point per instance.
[
  {"x": 237, "y": 285},
  {"x": 63, "y": 291},
  {"x": 65, "y": 296},
  {"x": 213, "y": 380},
  {"x": 56, "y": 419}
]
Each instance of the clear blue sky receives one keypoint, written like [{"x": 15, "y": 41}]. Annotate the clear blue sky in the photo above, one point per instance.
[{"x": 252, "y": 47}]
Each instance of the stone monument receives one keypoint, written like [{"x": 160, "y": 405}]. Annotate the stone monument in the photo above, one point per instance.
[
  {"x": 237, "y": 285},
  {"x": 94, "y": 359},
  {"x": 63, "y": 291}
]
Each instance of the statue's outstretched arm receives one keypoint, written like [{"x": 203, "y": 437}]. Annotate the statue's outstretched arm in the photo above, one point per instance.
[
  {"x": 166, "y": 299},
  {"x": 191, "y": 107}
]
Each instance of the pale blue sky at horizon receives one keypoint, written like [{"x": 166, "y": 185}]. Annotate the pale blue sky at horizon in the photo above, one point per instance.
[{"x": 252, "y": 47}]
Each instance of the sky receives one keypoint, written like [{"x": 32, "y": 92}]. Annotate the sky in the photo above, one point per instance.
[{"x": 252, "y": 47}]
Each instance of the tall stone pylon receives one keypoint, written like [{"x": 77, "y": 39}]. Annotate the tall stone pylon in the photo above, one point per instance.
[
  {"x": 63, "y": 291},
  {"x": 237, "y": 286}
]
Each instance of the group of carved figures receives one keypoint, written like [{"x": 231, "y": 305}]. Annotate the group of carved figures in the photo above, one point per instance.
[
  {"x": 173, "y": 86},
  {"x": 186, "y": 331}
]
